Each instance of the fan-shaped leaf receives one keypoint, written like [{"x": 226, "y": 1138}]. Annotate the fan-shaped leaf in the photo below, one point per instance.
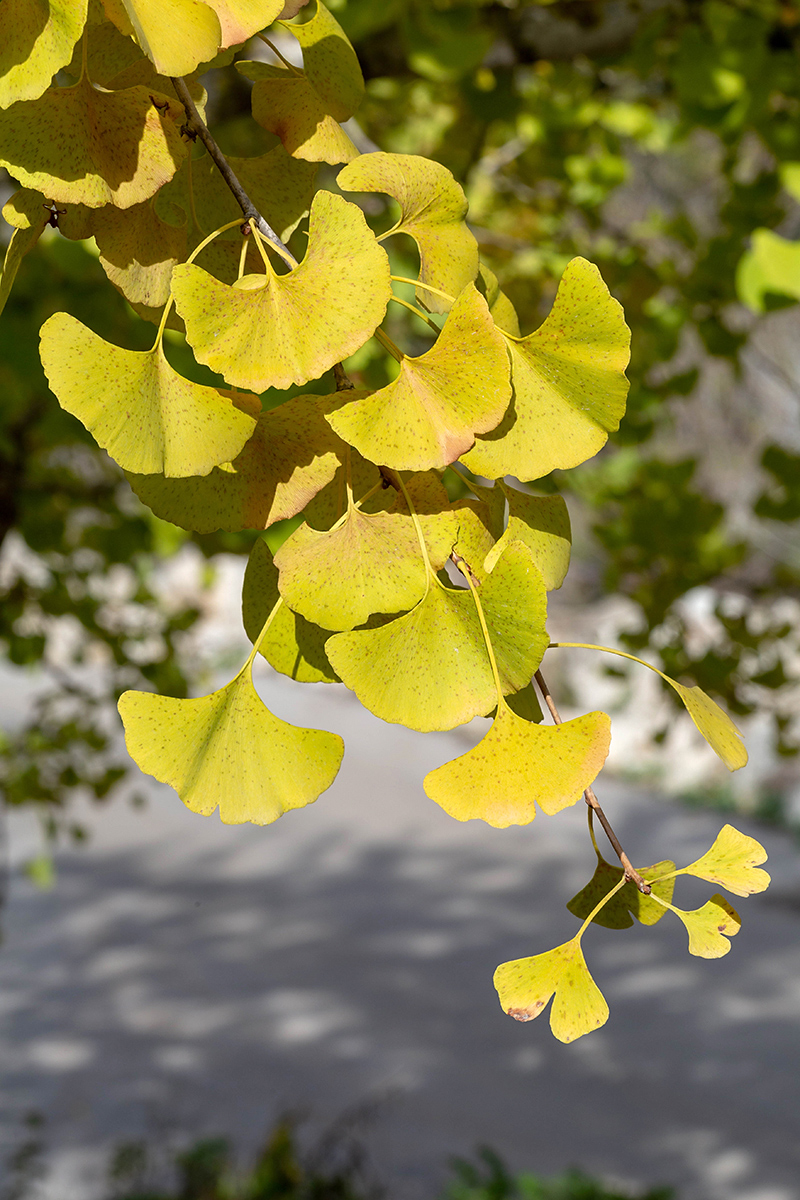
[
  {"x": 430, "y": 414},
  {"x": 525, "y": 986},
  {"x": 707, "y": 927},
  {"x": 616, "y": 914},
  {"x": 732, "y": 862},
  {"x": 36, "y": 40},
  {"x": 542, "y": 523},
  {"x": 287, "y": 104},
  {"x": 569, "y": 384},
  {"x": 274, "y": 330},
  {"x": 714, "y": 724},
  {"x": 137, "y": 408},
  {"x": 240, "y": 19},
  {"x": 329, "y": 61},
  {"x": 176, "y": 37}
]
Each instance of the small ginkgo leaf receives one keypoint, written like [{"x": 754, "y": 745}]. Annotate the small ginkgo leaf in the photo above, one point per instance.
[
  {"x": 36, "y": 40},
  {"x": 287, "y": 104},
  {"x": 137, "y": 407},
  {"x": 714, "y": 724},
  {"x": 83, "y": 145},
  {"x": 329, "y": 61},
  {"x": 569, "y": 384},
  {"x": 28, "y": 214},
  {"x": 228, "y": 751},
  {"x": 430, "y": 669},
  {"x": 519, "y": 765},
  {"x": 275, "y": 330},
  {"x": 525, "y": 985},
  {"x": 176, "y": 37},
  {"x": 240, "y": 19},
  {"x": 616, "y": 913},
  {"x": 433, "y": 209},
  {"x": 291, "y": 456},
  {"x": 707, "y": 927},
  {"x": 542, "y": 523},
  {"x": 291, "y": 645},
  {"x": 430, "y": 414},
  {"x": 733, "y": 862}
]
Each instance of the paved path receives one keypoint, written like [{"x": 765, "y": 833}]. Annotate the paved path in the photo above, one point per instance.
[{"x": 186, "y": 978}]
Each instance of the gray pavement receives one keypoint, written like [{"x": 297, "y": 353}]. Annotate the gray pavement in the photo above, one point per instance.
[{"x": 186, "y": 978}]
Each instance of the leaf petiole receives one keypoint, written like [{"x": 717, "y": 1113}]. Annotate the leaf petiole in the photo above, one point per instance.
[
  {"x": 417, "y": 313},
  {"x": 418, "y": 282},
  {"x": 597, "y": 908}
]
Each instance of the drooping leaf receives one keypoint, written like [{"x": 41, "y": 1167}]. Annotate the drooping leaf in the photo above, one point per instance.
[
  {"x": 82, "y": 145},
  {"x": 433, "y": 209},
  {"x": 329, "y": 61},
  {"x": 29, "y": 215},
  {"x": 714, "y": 724},
  {"x": 707, "y": 927},
  {"x": 430, "y": 669},
  {"x": 274, "y": 330},
  {"x": 292, "y": 645},
  {"x": 148, "y": 418},
  {"x": 430, "y": 414},
  {"x": 519, "y": 765},
  {"x": 616, "y": 913},
  {"x": 569, "y": 384},
  {"x": 287, "y": 104},
  {"x": 542, "y": 523},
  {"x": 176, "y": 37},
  {"x": 228, "y": 751},
  {"x": 36, "y": 40},
  {"x": 526, "y": 984},
  {"x": 291, "y": 456},
  {"x": 732, "y": 862}
]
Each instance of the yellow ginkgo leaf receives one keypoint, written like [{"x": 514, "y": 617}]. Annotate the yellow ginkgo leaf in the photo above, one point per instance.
[
  {"x": 475, "y": 539},
  {"x": 138, "y": 251},
  {"x": 287, "y": 104},
  {"x": 501, "y": 308},
  {"x": 542, "y": 523},
  {"x": 240, "y": 19},
  {"x": 616, "y": 913},
  {"x": 707, "y": 927},
  {"x": 83, "y": 145},
  {"x": 433, "y": 209},
  {"x": 430, "y": 414},
  {"x": 148, "y": 418},
  {"x": 714, "y": 724},
  {"x": 732, "y": 862},
  {"x": 275, "y": 330},
  {"x": 329, "y": 61},
  {"x": 519, "y": 765},
  {"x": 526, "y": 984},
  {"x": 569, "y": 384},
  {"x": 36, "y": 40},
  {"x": 228, "y": 751},
  {"x": 176, "y": 37},
  {"x": 27, "y": 212}
]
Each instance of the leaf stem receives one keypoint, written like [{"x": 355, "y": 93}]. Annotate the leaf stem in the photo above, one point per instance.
[
  {"x": 417, "y": 313},
  {"x": 607, "y": 650},
  {"x": 263, "y": 634},
  {"x": 389, "y": 345},
  {"x": 418, "y": 282},
  {"x": 630, "y": 871},
  {"x": 417, "y": 527},
  {"x": 501, "y": 700},
  {"x": 295, "y": 70},
  {"x": 197, "y": 250},
  {"x": 262, "y": 251},
  {"x": 597, "y": 908}
]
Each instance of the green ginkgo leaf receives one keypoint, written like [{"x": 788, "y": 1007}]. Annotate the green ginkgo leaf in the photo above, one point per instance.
[
  {"x": 519, "y": 765},
  {"x": 287, "y": 104},
  {"x": 275, "y": 330},
  {"x": 707, "y": 927},
  {"x": 569, "y": 384},
  {"x": 138, "y": 408},
  {"x": 176, "y": 37},
  {"x": 228, "y": 751},
  {"x": 371, "y": 563},
  {"x": 329, "y": 61},
  {"x": 430, "y": 669},
  {"x": 28, "y": 214},
  {"x": 770, "y": 267},
  {"x": 430, "y": 414},
  {"x": 542, "y": 523},
  {"x": 36, "y": 40},
  {"x": 433, "y": 209},
  {"x": 714, "y": 724},
  {"x": 291, "y": 645},
  {"x": 292, "y": 455},
  {"x": 526, "y": 984},
  {"x": 732, "y": 862},
  {"x": 616, "y": 913},
  {"x": 83, "y": 145}
]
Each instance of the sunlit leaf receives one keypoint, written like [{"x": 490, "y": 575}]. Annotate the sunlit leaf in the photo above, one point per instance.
[
  {"x": 82, "y": 145},
  {"x": 707, "y": 927},
  {"x": 240, "y": 19},
  {"x": 733, "y": 862},
  {"x": 274, "y": 330},
  {"x": 433, "y": 209},
  {"x": 292, "y": 645},
  {"x": 329, "y": 61},
  {"x": 291, "y": 456},
  {"x": 519, "y": 765},
  {"x": 36, "y": 40},
  {"x": 542, "y": 523},
  {"x": 429, "y": 669},
  {"x": 526, "y": 984},
  {"x": 616, "y": 913},
  {"x": 569, "y": 384},
  {"x": 28, "y": 214},
  {"x": 228, "y": 751},
  {"x": 176, "y": 37},
  {"x": 137, "y": 407},
  {"x": 431, "y": 412},
  {"x": 714, "y": 724},
  {"x": 287, "y": 104}
]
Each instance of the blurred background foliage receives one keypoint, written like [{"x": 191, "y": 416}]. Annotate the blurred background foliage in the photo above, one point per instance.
[{"x": 658, "y": 138}]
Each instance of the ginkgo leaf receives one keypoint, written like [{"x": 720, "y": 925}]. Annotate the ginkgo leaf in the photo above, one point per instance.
[
  {"x": 526, "y": 984},
  {"x": 329, "y": 61},
  {"x": 732, "y": 862},
  {"x": 707, "y": 927},
  {"x": 83, "y": 145},
  {"x": 291, "y": 456},
  {"x": 431, "y": 412},
  {"x": 240, "y": 19},
  {"x": 36, "y": 40},
  {"x": 228, "y": 751},
  {"x": 433, "y": 209},
  {"x": 616, "y": 913},
  {"x": 430, "y": 669},
  {"x": 287, "y": 104},
  {"x": 519, "y": 765},
  {"x": 292, "y": 645},
  {"x": 176, "y": 37},
  {"x": 502, "y": 310},
  {"x": 28, "y": 214},
  {"x": 371, "y": 563},
  {"x": 474, "y": 537},
  {"x": 569, "y": 384},
  {"x": 525, "y": 704},
  {"x": 274, "y": 330},
  {"x": 542, "y": 523},
  {"x": 137, "y": 407},
  {"x": 138, "y": 251},
  {"x": 714, "y": 724}
]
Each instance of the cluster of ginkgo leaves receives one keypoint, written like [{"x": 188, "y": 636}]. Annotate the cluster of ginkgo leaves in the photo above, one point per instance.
[{"x": 433, "y": 612}]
